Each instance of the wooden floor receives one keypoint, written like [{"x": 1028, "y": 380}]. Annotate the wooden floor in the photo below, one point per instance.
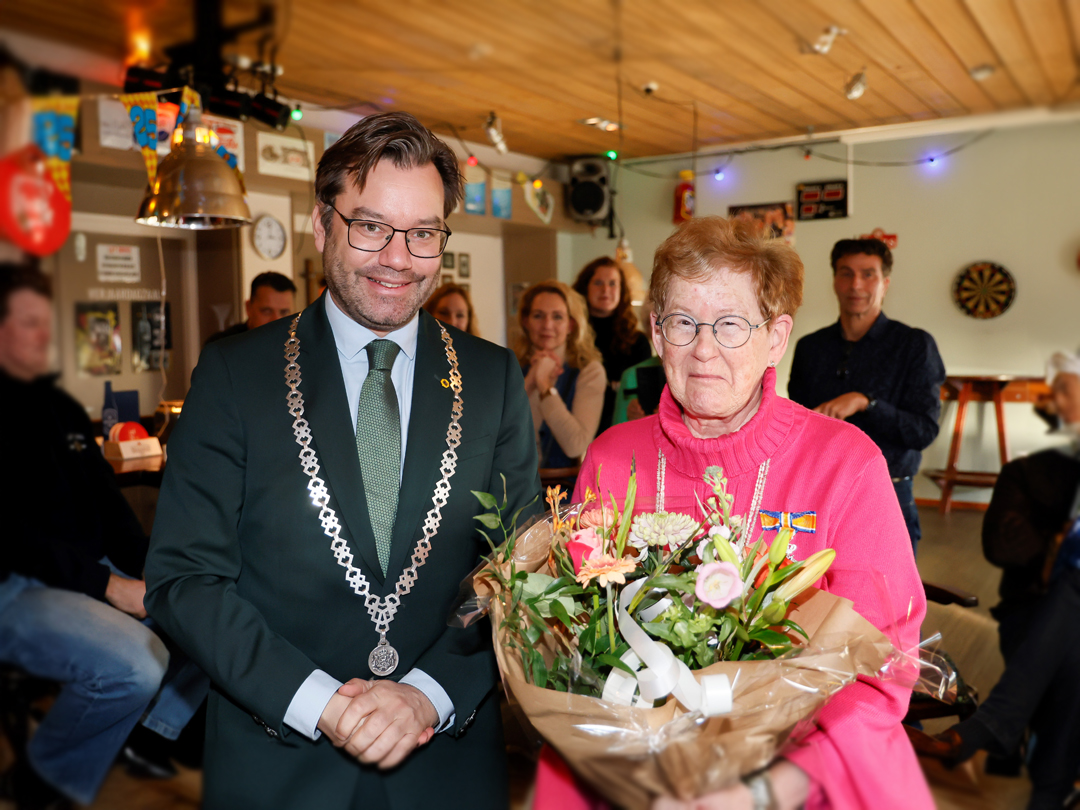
[{"x": 949, "y": 553}]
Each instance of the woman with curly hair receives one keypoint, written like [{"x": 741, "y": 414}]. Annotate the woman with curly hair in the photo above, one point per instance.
[
  {"x": 618, "y": 337},
  {"x": 564, "y": 376}
]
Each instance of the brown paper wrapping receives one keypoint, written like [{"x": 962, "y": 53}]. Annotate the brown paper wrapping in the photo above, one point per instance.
[{"x": 631, "y": 755}]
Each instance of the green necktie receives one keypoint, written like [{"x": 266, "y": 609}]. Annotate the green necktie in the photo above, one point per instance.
[{"x": 378, "y": 444}]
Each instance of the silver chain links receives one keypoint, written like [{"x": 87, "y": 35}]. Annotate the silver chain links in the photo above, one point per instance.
[{"x": 381, "y": 610}]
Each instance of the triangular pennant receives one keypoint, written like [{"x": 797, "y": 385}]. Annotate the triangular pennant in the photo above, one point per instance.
[
  {"x": 142, "y": 107},
  {"x": 54, "y": 120}
]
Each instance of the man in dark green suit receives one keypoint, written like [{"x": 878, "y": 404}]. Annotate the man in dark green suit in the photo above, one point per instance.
[{"x": 316, "y": 517}]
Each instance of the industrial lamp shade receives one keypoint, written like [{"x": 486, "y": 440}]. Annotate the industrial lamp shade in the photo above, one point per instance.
[{"x": 194, "y": 188}]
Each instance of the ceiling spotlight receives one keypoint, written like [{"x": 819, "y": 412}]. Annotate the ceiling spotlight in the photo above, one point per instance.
[
  {"x": 856, "y": 85},
  {"x": 981, "y": 73},
  {"x": 824, "y": 43},
  {"x": 602, "y": 124},
  {"x": 493, "y": 128},
  {"x": 472, "y": 161},
  {"x": 719, "y": 175},
  {"x": 296, "y": 113},
  {"x": 270, "y": 111}
]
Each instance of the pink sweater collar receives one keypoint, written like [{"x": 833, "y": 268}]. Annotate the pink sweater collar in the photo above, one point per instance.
[{"x": 739, "y": 452}]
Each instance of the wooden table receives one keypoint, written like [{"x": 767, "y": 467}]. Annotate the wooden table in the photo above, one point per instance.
[{"x": 999, "y": 389}]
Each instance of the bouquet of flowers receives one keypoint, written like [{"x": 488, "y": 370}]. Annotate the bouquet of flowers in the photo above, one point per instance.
[{"x": 663, "y": 653}]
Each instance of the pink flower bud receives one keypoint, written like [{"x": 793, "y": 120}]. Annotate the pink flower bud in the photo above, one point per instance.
[{"x": 584, "y": 545}]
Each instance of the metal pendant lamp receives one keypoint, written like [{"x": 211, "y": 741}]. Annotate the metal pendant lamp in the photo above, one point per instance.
[{"x": 194, "y": 188}]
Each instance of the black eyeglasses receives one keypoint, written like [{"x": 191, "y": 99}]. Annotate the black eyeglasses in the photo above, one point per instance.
[
  {"x": 730, "y": 331},
  {"x": 371, "y": 236}
]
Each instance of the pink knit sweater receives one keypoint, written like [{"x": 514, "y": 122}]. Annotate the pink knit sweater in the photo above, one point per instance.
[{"x": 860, "y": 756}]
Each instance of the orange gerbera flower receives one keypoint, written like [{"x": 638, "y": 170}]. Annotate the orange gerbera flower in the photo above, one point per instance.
[{"x": 605, "y": 569}]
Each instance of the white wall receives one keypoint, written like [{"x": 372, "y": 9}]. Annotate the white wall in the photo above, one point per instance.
[
  {"x": 486, "y": 281},
  {"x": 1011, "y": 198}
]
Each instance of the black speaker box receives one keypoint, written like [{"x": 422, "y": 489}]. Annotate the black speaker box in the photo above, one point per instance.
[{"x": 588, "y": 196}]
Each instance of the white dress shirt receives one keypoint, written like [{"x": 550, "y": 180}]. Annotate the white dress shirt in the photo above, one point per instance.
[{"x": 351, "y": 339}]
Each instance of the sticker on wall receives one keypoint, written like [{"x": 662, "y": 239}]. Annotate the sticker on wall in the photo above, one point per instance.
[
  {"x": 776, "y": 219},
  {"x": 97, "y": 338},
  {"x": 825, "y": 200},
  {"x": 984, "y": 290},
  {"x": 891, "y": 240},
  {"x": 118, "y": 264}
]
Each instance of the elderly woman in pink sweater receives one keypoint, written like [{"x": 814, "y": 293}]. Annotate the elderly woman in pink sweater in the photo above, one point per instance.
[{"x": 724, "y": 300}]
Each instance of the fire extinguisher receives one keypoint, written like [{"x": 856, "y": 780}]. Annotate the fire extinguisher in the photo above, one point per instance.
[{"x": 684, "y": 197}]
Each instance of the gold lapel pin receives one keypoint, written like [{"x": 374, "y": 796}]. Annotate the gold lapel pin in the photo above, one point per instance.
[{"x": 445, "y": 383}]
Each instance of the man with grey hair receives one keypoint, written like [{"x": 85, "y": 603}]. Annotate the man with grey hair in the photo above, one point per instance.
[
  {"x": 1032, "y": 531},
  {"x": 316, "y": 518}
]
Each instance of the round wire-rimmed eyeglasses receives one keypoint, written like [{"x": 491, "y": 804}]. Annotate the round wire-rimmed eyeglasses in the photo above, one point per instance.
[{"x": 730, "y": 331}]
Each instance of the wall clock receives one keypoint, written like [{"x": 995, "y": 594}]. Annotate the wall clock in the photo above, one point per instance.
[
  {"x": 984, "y": 290},
  {"x": 268, "y": 237}
]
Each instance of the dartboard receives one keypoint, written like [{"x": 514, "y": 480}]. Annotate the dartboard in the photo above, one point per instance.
[{"x": 984, "y": 290}]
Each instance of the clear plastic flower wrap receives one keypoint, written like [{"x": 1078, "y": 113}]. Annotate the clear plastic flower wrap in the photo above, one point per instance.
[{"x": 693, "y": 666}]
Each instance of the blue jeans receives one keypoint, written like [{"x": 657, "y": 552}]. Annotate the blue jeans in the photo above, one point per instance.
[
  {"x": 905, "y": 493},
  {"x": 110, "y": 667}
]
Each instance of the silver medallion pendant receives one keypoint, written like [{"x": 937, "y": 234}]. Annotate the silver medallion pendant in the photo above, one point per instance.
[{"x": 383, "y": 659}]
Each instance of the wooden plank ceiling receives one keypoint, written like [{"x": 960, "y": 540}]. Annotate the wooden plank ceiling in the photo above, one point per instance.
[{"x": 542, "y": 65}]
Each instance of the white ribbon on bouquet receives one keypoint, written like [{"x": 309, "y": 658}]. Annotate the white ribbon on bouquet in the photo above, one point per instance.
[{"x": 661, "y": 673}]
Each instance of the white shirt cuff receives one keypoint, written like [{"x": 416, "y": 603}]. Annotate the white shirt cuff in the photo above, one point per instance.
[
  {"x": 435, "y": 693},
  {"x": 306, "y": 707}
]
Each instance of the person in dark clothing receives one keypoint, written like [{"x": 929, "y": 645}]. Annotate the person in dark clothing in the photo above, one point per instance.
[
  {"x": 602, "y": 284},
  {"x": 1032, "y": 532},
  {"x": 71, "y": 562},
  {"x": 878, "y": 374},
  {"x": 272, "y": 297}
]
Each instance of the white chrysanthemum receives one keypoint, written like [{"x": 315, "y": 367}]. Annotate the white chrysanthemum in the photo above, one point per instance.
[{"x": 661, "y": 529}]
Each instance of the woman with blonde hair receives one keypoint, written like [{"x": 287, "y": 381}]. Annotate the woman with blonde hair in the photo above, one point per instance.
[
  {"x": 564, "y": 375},
  {"x": 451, "y": 304}
]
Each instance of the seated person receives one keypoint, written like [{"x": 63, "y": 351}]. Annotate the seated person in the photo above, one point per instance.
[
  {"x": 564, "y": 376},
  {"x": 1034, "y": 499},
  {"x": 640, "y": 383},
  {"x": 451, "y": 304},
  {"x": 71, "y": 562},
  {"x": 272, "y": 297}
]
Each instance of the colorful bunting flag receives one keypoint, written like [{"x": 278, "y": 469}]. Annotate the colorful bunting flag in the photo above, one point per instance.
[
  {"x": 54, "y": 119},
  {"x": 142, "y": 107}
]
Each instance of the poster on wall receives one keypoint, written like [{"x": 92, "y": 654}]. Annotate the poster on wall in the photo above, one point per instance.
[
  {"x": 97, "y": 338},
  {"x": 825, "y": 200},
  {"x": 500, "y": 198},
  {"x": 230, "y": 136},
  {"x": 778, "y": 218},
  {"x": 282, "y": 156},
  {"x": 475, "y": 190},
  {"x": 151, "y": 339}
]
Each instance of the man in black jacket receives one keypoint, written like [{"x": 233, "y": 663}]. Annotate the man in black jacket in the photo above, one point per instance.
[
  {"x": 1032, "y": 531},
  {"x": 880, "y": 375},
  {"x": 71, "y": 561}
]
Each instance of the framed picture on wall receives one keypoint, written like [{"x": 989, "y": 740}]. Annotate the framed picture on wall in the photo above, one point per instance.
[
  {"x": 448, "y": 261},
  {"x": 465, "y": 287},
  {"x": 464, "y": 268},
  {"x": 97, "y": 338},
  {"x": 447, "y": 278}
]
